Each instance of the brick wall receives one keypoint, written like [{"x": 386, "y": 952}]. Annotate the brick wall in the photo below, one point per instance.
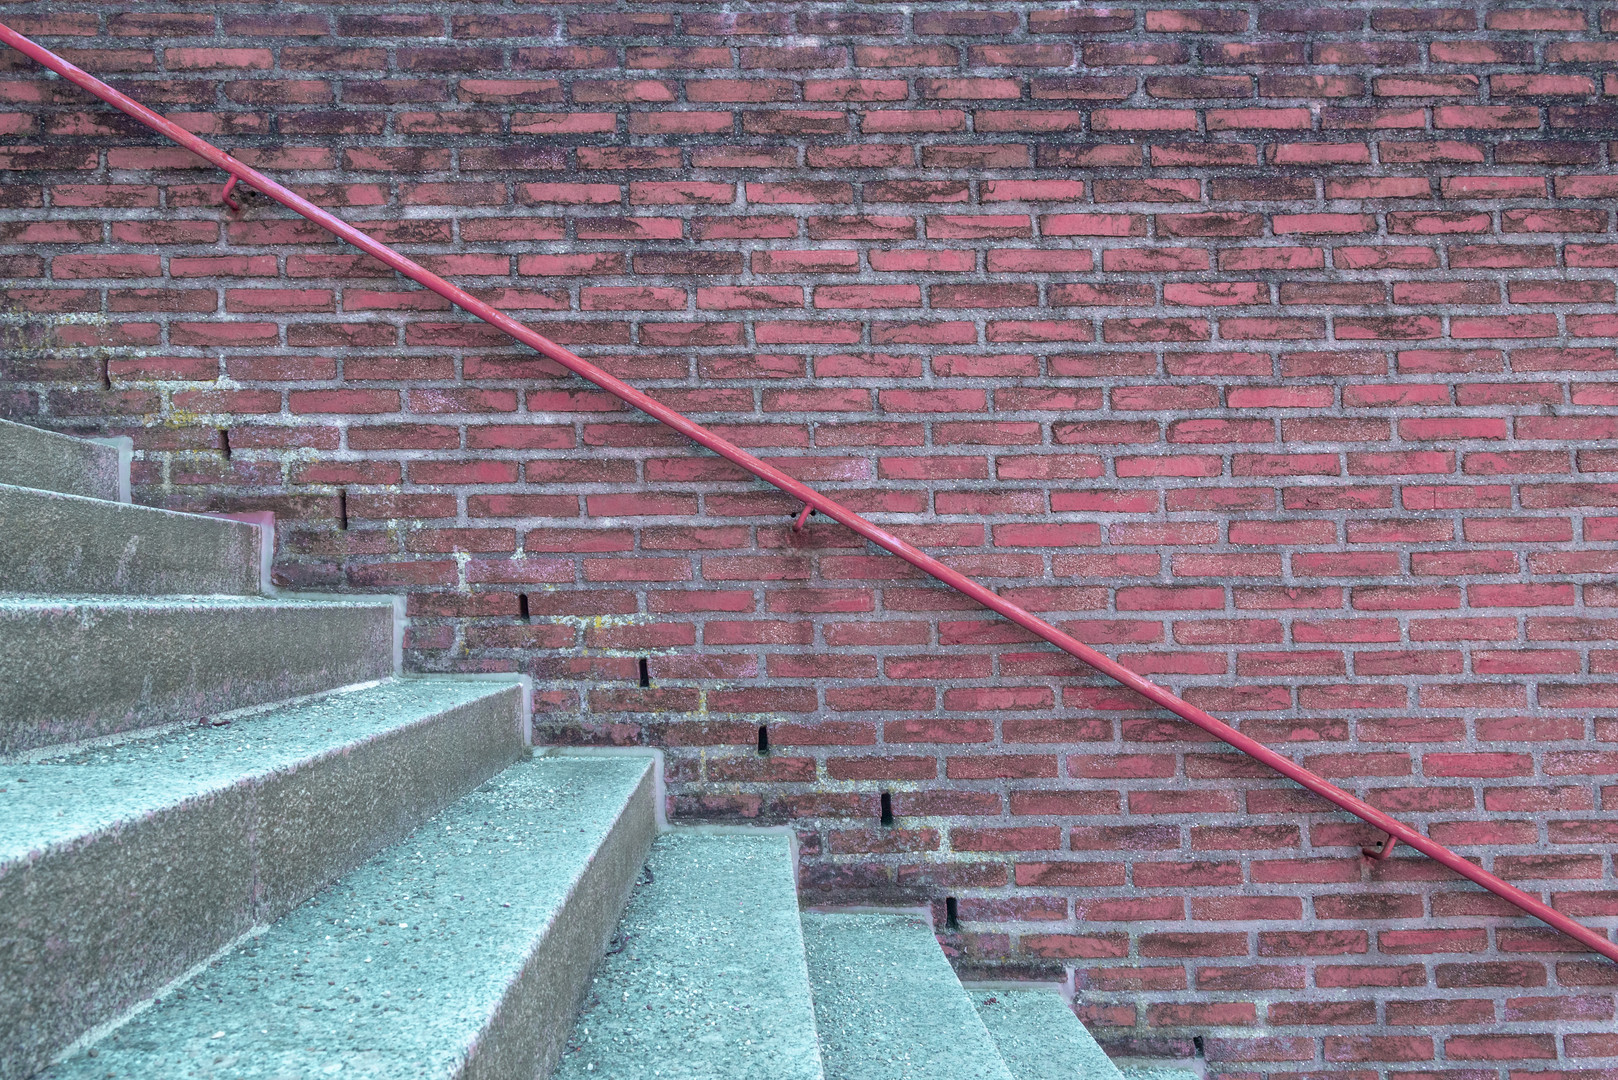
[{"x": 1268, "y": 348}]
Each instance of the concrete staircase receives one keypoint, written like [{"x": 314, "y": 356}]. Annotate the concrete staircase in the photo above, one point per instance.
[{"x": 236, "y": 841}]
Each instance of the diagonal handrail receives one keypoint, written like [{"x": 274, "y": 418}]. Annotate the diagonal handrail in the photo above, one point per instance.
[{"x": 1397, "y": 831}]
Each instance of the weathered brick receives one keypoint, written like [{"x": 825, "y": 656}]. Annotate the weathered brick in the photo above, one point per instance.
[{"x": 971, "y": 288}]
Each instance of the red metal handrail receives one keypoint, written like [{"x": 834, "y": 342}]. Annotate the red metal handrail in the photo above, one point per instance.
[{"x": 1397, "y": 831}]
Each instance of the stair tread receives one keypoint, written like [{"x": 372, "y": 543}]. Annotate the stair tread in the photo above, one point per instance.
[
  {"x": 79, "y": 790},
  {"x": 454, "y": 913},
  {"x": 1040, "y": 1038},
  {"x": 888, "y": 1004},
  {"x": 708, "y": 979},
  {"x": 61, "y": 542}
]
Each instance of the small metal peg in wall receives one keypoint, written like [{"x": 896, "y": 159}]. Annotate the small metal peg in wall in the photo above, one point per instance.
[{"x": 1381, "y": 849}]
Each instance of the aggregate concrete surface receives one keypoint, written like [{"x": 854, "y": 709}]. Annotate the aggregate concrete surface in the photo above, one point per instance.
[
  {"x": 43, "y": 459},
  {"x": 85, "y": 666},
  {"x": 1039, "y": 1038},
  {"x": 123, "y": 865},
  {"x": 55, "y": 543},
  {"x": 706, "y": 977},
  {"x": 407, "y": 966},
  {"x": 1156, "y": 1072},
  {"x": 889, "y": 1006}
]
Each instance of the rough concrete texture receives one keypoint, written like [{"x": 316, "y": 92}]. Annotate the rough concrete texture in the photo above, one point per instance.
[
  {"x": 122, "y": 866},
  {"x": 73, "y": 668},
  {"x": 459, "y": 952},
  {"x": 706, "y": 976},
  {"x": 55, "y": 543},
  {"x": 889, "y": 1006},
  {"x": 31, "y": 457},
  {"x": 1156, "y": 1072},
  {"x": 1039, "y": 1038}
]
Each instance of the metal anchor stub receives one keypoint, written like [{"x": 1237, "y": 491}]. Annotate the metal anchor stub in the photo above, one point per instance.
[{"x": 1381, "y": 849}]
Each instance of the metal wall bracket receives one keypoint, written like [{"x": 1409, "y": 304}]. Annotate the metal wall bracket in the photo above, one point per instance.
[{"x": 1381, "y": 849}]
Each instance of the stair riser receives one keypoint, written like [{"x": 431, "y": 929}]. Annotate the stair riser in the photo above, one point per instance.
[
  {"x": 56, "y": 543},
  {"x": 526, "y": 1036},
  {"x": 33, "y": 458},
  {"x": 84, "y": 934},
  {"x": 91, "y": 928},
  {"x": 70, "y": 673},
  {"x": 317, "y": 823},
  {"x": 881, "y": 980},
  {"x": 709, "y": 979},
  {"x": 1040, "y": 1038}
]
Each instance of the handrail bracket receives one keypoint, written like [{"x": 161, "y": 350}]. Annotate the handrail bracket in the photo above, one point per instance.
[{"x": 1381, "y": 849}]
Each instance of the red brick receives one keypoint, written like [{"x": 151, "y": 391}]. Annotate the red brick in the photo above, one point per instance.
[{"x": 1078, "y": 393}]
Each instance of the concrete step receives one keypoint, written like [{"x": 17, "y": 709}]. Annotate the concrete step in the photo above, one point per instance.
[
  {"x": 30, "y": 457},
  {"x": 888, "y": 1005},
  {"x": 124, "y": 865},
  {"x": 1157, "y": 1072},
  {"x": 55, "y": 543},
  {"x": 705, "y": 979},
  {"x": 460, "y": 952},
  {"x": 84, "y": 666},
  {"x": 1039, "y": 1038}
]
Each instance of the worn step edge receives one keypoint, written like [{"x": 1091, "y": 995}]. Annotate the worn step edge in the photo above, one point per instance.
[
  {"x": 57, "y": 543},
  {"x": 707, "y": 978},
  {"x": 888, "y": 1004},
  {"x": 122, "y": 866},
  {"x": 1039, "y": 1037},
  {"x": 85, "y": 666},
  {"x": 492, "y": 916},
  {"x": 34, "y": 457}
]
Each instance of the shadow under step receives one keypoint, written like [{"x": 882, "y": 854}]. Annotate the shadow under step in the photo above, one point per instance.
[
  {"x": 1039, "y": 1038},
  {"x": 889, "y": 1006},
  {"x": 78, "y": 667},
  {"x": 55, "y": 543},
  {"x": 122, "y": 866},
  {"x": 461, "y": 951}
]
